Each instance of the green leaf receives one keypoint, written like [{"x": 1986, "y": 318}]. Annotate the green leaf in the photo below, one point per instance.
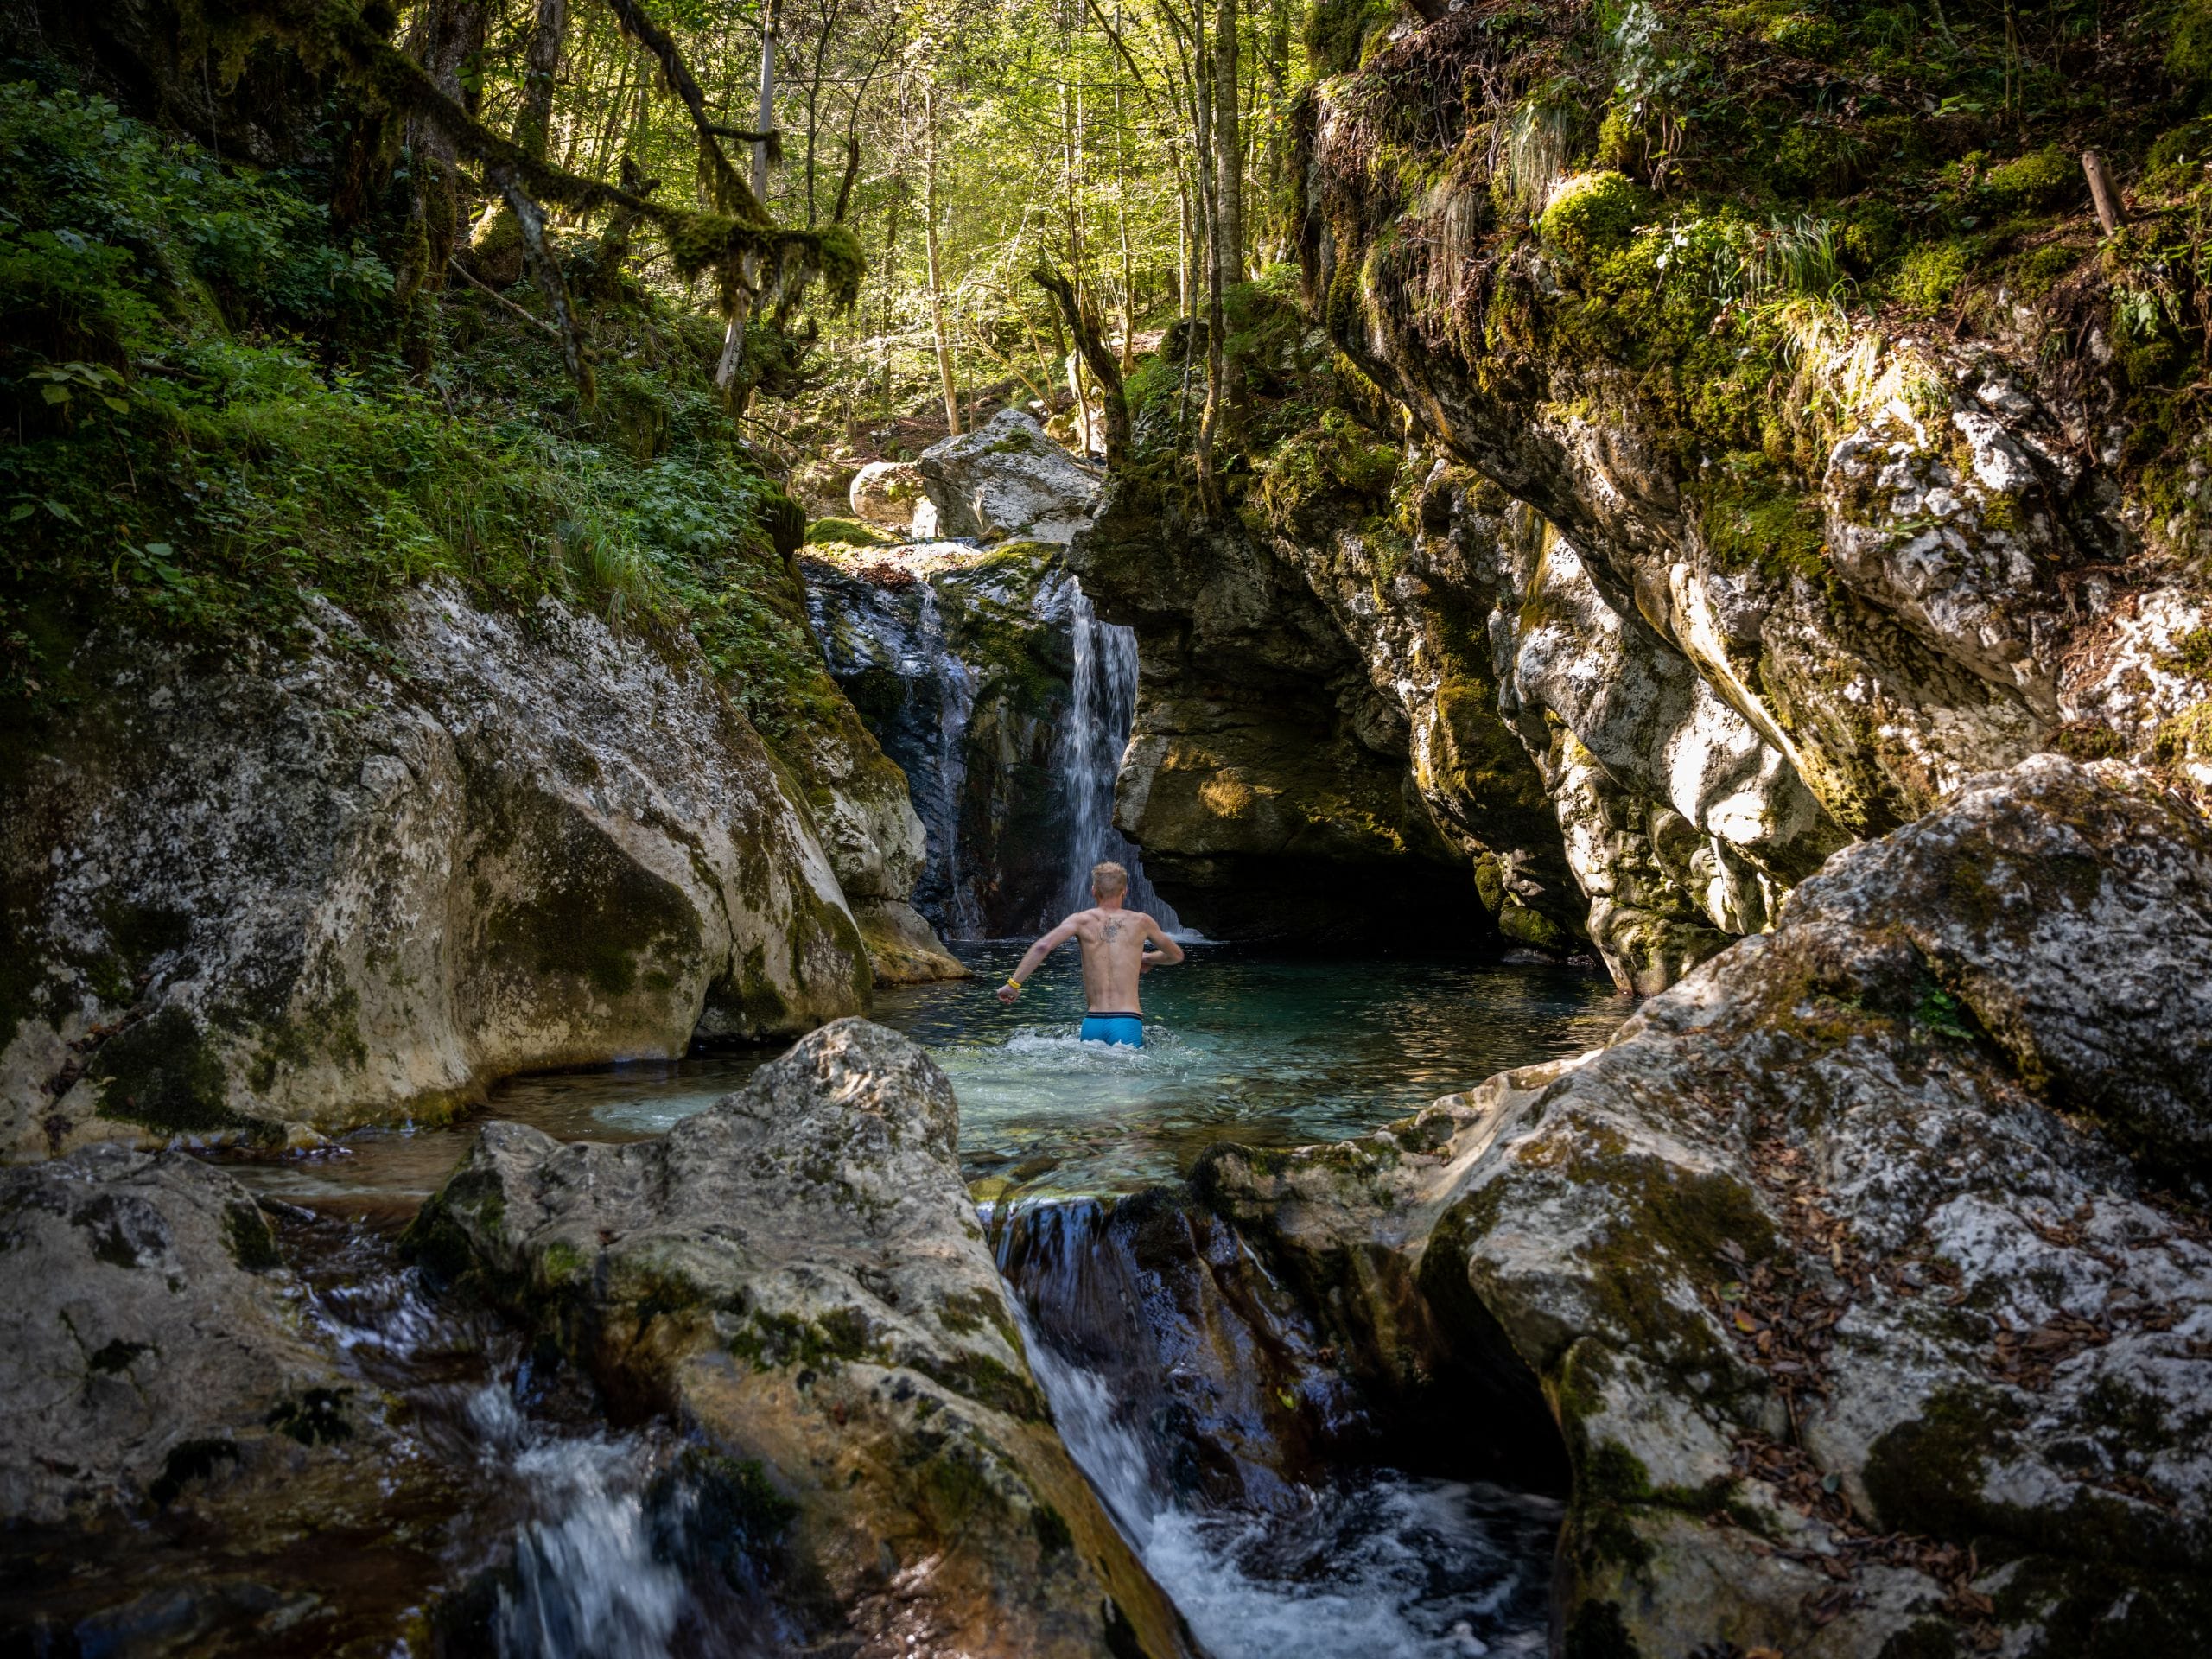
[
  {"x": 63, "y": 513},
  {"x": 22, "y": 510},
  {"x": 54, "y": 394}
]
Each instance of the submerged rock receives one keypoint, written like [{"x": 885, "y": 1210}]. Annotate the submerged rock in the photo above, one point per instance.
[
  {"x": 356, "y": 884},
  {"x": 797, "y": 1271},
  {"x": 1848, "y": 1266},
  {"x": 149, "y": 1356},
  {"x": 1006, "y": 479}
]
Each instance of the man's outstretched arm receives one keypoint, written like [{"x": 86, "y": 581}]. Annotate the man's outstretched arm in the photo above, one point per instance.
[
  {"x": 1036, "y": 954},
  {"x": 1168, "y": 951}
]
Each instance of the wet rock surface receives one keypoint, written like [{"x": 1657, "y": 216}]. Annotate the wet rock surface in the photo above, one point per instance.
[
  {"x": 1266, "y": 777},
  {"x": 798, "y": 1274},
  {"x": 148, "y": 1353},
  {"x": 963, "y": 665},
  {"x": 1865, "y": 1331},
  {"x": 308, "y": 892}
]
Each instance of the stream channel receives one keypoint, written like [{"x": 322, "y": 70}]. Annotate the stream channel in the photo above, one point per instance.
[{"x": 565, "y": 1525}]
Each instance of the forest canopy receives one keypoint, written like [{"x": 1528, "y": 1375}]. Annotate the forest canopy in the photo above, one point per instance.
[{"x": 777, "y": 238}]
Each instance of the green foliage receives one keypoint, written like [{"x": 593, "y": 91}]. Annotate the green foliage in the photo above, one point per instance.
[
  {"x": 1929, "y": 274},
  {"x": 847, "y": 533},
  {"x": 1336, "y": 458},
  {"x": 217, "y": 434},
  {"x": 2044, "y": 179},
  {"x": 1815, "y": 161},
  {"x": 1337, "y": 32},
  {"x": 1593, "y": 213},
  {"x": 1752, "y": 519}
]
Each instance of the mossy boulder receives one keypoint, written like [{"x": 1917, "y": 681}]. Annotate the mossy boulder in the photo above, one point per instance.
[
  {"x": 155, "y": 1358},
  {"x": 1593, "y": 213},
  {"x": 798, "y": 1273},
  {"x": 1850, "y": 1268},
  {"x": 273, "y": 899}
]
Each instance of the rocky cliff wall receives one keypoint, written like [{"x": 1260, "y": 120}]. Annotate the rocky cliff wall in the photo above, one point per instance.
[
  {"x": 962, "y": 663},
  {"x": 358, "y": 884},
  {"x": 1561, "y": 493},
  {"x": 1861, "y": 1270}
]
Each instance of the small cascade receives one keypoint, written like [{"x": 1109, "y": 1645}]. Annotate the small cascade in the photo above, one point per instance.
[
  {"x": 1165, "y": 1353},
  {"x": 1102, "y": 712},
  {"x": 559, "y": 1537},
  {"x": 585, "y": 1580}
]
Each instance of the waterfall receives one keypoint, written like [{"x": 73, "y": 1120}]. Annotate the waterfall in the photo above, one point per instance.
[
  {"x": 944, "y": 888},
  {"x": 585, "y": 1584},
  {"x": 1157, "y": 1380},
  {"x": 1101, "y": 713}
]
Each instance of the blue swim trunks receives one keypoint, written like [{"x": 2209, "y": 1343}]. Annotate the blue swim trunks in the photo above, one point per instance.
[{"x": 1125, "y": 1028}]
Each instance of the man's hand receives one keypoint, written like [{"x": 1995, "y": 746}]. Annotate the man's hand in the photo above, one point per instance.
[{"x": 1009, "y": 994}]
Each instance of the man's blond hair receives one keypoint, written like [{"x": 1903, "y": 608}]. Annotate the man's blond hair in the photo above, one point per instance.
[{"x": 1109, "y": 878}]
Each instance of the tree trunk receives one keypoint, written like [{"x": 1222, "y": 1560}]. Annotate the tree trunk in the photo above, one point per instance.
[
  {"x": 890, "y": 282},
  {"x": 450, "y": 37},
  {"x": 1228, "y": 209},
  {"x": 764, "y": 121},
  {"x": 2103, "y": 195},
  {"x": 1228, "y": 145},
  {"x": 937, "y": 275},
  {"x": 541, "y": 61},
  {"x": 1209, "y": 173},
  {"x": 1098, "y": 356}
]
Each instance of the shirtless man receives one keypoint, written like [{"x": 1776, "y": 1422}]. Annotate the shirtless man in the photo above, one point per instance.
[{"x": 1118, "y": 946}]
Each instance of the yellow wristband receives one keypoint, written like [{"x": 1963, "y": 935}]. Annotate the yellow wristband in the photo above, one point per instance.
[{"x": 1012, "y": 981}]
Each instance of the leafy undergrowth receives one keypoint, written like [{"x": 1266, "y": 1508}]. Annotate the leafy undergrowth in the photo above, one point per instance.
[{"x": 213, "y": 426}]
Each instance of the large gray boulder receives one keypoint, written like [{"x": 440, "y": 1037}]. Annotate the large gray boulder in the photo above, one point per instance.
[
  {"x": 886, "y": 492},
  {"x": 299, "y": 893},
  {"x": 1850, "y": 1266},
  {"x": 149, "y": 1355},
  {"x": 798, "y": 1272},
  {"x": 1008, "y": 478}
]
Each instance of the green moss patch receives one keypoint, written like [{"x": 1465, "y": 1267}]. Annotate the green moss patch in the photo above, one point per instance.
[{"x": 163, "y": 1073}]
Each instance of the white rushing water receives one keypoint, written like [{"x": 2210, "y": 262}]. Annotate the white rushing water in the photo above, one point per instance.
[
  {"x": 557, "y": 1510},
  {"x": 1374, "y": 1565},
  {"x": 937, "y": 793},
  {"x": 1101, "y": 714},
  {"x": 586, "y": 1584}
]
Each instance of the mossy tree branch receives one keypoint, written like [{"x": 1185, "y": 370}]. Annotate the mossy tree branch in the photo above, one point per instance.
[{"x": 1098, "y": 356}]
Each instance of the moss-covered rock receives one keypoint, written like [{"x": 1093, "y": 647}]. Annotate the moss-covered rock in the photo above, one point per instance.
[
  {"x": 798, "y": 1273},
  {"x": 270, "y": 901},
  {"x": 1847, "y": 1268}
]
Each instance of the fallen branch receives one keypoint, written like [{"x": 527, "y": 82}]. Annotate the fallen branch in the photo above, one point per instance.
[{"x": 486, "y": 287}]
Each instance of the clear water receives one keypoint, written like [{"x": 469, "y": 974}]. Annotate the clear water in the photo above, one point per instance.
[{"x": 1239, "y": 1044}]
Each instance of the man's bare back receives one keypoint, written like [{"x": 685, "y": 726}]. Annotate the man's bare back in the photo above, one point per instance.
[{"x": 1119, "y": 946}]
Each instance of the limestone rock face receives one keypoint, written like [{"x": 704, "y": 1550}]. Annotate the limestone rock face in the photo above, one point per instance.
[
  {"x": 1267, "y": 776},
  {"x": 798, "y": 1272},
  {"x": 304, "y": 893},
  {"x": 1846, "y": 1265},
  {"x": 147, "y": 1356},
  {"x": 886, "y": 492},
  {"x": 1006, "y": 479}
]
